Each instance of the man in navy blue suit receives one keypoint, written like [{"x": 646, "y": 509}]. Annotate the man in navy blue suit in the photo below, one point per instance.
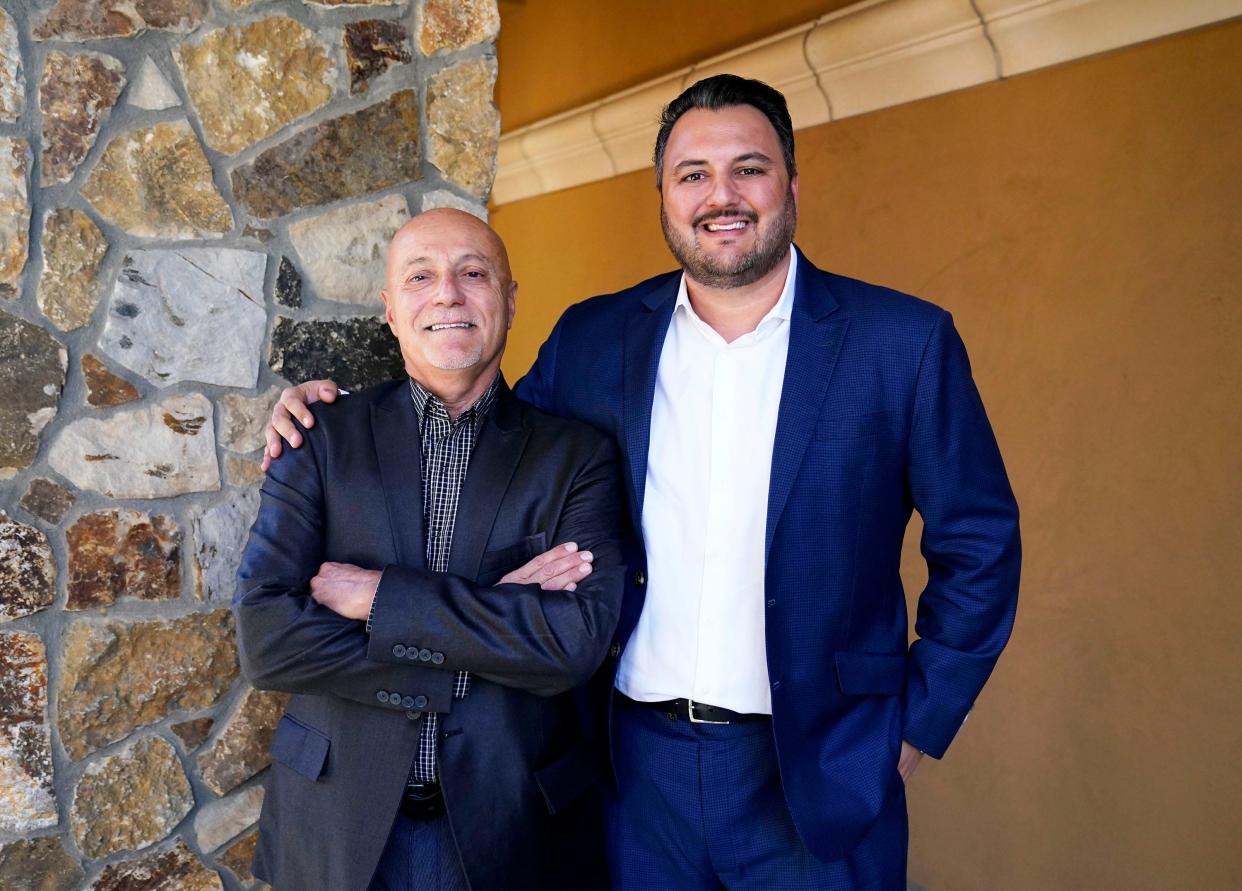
[{"x": 779, "y": 424}]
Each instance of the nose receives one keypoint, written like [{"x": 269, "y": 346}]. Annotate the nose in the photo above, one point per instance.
[
  {"x": 449, "y": 292},
  {"x": 724, "y": 192}
]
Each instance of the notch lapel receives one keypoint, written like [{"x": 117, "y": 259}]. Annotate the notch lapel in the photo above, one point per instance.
[
  {"x": 496, "y": 455},
  {"x": 814, "y": 344},
  {"x": 644, "y": 337},
  {"x": 394, "y": 427}
]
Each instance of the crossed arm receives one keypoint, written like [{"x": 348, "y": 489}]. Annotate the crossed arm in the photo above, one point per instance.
[{"x": 301, "y": 632}]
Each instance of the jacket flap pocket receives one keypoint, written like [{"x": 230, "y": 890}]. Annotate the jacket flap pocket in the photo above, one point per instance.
[
  {"x": 299, "y": 748},
  {"x": 865, "y": 674},
  {"x": 565, "y": 779},
  {"x": 502, "y": 561}
]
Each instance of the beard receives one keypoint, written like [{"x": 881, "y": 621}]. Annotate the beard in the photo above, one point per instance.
[{"x": 771, "y": 246}]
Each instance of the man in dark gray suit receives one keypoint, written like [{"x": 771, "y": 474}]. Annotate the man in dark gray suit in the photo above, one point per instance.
[{"x": 429, "y": 576}]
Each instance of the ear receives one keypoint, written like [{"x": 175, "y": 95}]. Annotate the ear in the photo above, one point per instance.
[
  {"x": 388, "y": 316},
  {"x": 793, "y": 187},
  {"x": 512, "y": 303}
]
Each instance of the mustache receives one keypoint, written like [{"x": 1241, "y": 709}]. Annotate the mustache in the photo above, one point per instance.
[{"x": 734, "y": 213}]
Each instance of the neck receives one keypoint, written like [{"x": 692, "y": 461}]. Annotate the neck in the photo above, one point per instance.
[
  {"x": 732, "y": 312},
  {"x": 457, "y": 389}
]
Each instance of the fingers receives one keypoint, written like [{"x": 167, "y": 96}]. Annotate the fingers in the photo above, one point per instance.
[
  {"x": 554, "y": 570},
  {"x": 561, "y": 572},
  {"x": 326, "y": 391}
]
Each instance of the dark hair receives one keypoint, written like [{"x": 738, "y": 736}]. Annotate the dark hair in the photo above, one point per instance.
[{"x": 723, "y": 91}]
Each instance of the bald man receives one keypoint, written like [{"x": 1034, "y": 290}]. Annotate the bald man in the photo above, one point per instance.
[{"x": 429, "y": 576}]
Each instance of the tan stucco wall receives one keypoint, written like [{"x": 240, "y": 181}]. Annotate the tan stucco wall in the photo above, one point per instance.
[{"x": 1083, "y": 225}]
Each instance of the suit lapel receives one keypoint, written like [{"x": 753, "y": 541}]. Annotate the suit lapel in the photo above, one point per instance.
[
  {"x": 394, "y": 427},
  {"x": 496, "y": 455},
  {"x": 644, "y": 337},
  {"x": 814, "y": 343}
]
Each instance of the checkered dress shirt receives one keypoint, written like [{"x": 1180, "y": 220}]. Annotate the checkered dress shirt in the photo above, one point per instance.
[{"x": 446, "y": 449}]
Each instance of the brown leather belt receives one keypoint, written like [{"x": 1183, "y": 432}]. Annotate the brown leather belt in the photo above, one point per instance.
[{"x": 696, "y": 712}]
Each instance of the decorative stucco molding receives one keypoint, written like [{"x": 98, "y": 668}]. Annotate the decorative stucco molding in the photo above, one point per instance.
[{"x": 872, "y": 55}]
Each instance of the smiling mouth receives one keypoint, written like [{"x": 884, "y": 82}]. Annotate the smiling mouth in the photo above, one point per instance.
[
  {"x": 726, "y": 227},
  {"x": 447, "y": 326}
]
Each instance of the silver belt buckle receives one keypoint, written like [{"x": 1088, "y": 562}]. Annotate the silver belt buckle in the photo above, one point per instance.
[{"x": 694, "y": 720}]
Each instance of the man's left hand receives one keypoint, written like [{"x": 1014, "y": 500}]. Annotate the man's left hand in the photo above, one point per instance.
[
  {"x": 909, "y": 759},
  {"x": 345, "y": 589}
]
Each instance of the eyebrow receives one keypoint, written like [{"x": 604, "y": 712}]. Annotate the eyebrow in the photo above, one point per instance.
[
  {"x": 477, "y": 258},
  {"x": 749, "y": 156}
]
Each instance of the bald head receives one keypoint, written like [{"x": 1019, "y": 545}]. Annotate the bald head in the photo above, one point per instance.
[
  {"x": 445, "y": 225},
  {"x": 449, "y": 299}
]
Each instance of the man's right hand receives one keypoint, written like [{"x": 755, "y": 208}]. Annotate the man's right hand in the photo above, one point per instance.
[
  {"x": 559, "y": 569},
  {"x": 292, "y": 404}
]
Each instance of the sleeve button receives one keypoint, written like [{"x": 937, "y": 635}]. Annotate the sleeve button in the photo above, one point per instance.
[
  {"x": 407, "y": 702},
  {"x": 382, "y": 695},
  {"x": 424, "y": 655},
  {"x": 437, "y": 658},
  {"x": 398, "y": 650},
  {"x": 420, "y": 701}
]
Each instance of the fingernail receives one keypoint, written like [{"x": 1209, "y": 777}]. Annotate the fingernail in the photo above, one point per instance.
[
  {"x": 571, "y": 547},
  {"x": 587, "y": 556},
  {"x": 584, "y": 567},
  {"x": 571, "y": 587},
  {"x": 306, "y": 419}
]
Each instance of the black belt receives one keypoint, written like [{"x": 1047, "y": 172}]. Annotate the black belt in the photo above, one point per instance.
[
  {"x": 696, "y": 712},
  {"x": 422, "y": 801}
]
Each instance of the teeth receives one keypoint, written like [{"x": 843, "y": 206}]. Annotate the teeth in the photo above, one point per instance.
[
  {"x": 716, "y": 227},
  {"x": 450, "y": 325}
]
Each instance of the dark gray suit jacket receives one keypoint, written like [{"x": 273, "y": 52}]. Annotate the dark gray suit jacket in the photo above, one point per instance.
[{"x": 513, "y": 751}]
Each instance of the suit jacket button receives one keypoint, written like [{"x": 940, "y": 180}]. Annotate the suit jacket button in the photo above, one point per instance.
[
  {"x": 411, "y": 653},
  {"x": 382, "y": 695},
  {"x": 424, "y": 655},
  {"x": 420, "y": 701},
  {"x": 615, "y": 650},
  {"x": 413, "y": 716},
  {"x": 640, "y": 578},
  {"x": 437, "y": 658},
  {"x": 407, "y": 702},
  {"x": 398, "y": 650}
]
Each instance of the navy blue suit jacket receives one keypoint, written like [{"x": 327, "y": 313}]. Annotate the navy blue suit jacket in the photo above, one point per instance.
[{"x": 878, "y": 416}]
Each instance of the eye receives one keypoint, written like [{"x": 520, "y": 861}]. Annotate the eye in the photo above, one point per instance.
[
  {"x": 416, "y": 278},
  {"x": 475, "y": 273},
  {"x": 695, "y": 177},
  {"x": 751, "y": 171}
]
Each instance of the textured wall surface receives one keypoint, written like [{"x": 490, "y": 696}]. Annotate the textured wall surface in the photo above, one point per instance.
[
  {"x": 1082, "y": 224},
  {"x": 195, "y": 197}
]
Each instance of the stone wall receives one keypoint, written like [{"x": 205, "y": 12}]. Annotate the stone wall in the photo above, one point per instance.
[{"x": 195, "y": 196}]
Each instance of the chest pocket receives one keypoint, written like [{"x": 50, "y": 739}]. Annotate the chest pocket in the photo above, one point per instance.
[
  {"x": 497, "y": 563},
  {"x": 871, "y": 424}
]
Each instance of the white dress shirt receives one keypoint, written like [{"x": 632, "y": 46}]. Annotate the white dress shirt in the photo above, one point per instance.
[{"x": 713, "y": 421}]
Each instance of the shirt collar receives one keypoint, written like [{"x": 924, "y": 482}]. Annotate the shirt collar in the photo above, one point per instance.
[
  {"x": 781, "y": 311},
  {"x": 427, "y": 404}
]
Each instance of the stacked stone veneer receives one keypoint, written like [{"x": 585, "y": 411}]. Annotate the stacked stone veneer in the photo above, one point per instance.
[{"x": 195, "y": 196}]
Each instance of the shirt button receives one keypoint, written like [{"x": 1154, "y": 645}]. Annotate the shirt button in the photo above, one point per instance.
[
  {"x": 424, "y": 655},
  {"x": 398, "y": 650},
  {"x": 615, "y": 650},
  {"x": 382, "y": 695},
  {"x": 420, "y": 701},
  {"x": 437, "y": 658},
  {"x": 640, "y": 578},
  {"x": 407, "y": 702}
]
